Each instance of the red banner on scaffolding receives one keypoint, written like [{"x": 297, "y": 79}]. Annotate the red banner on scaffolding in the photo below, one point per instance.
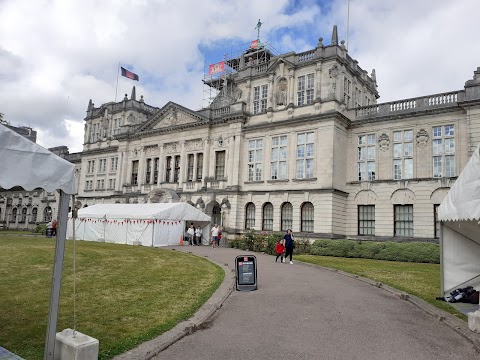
[
  {"x": 254, "y": 44},
  {"x": 216, "y": 68}
]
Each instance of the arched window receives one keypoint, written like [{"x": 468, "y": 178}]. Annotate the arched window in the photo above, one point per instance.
[
  {"x": 47, "y": 214},
  {"x": 14, "y": 215},
  {"x": 307, "y": 217},
  {"x": 267, "y": 217},
  {"x": 250, "y": 216},
  {"x": 287, "y": 216},
  {"x": 24, "y": 215},
  {"x": 34, "y": 215}
]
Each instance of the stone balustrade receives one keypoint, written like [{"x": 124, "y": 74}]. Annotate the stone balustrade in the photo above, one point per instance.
[
  {"x": 305, "y": 56},
  {"x": 410, "y": 105}
]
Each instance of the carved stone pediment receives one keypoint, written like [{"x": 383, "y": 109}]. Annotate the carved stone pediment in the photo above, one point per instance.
[{"x": 173, "y": 117}]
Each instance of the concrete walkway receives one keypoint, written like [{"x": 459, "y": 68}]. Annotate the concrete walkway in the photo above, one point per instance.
[{"x": 305, "y": 312}]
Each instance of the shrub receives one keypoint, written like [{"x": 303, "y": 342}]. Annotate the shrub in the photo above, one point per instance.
[
  {"x": 302, "y": 246},
  {"x": 418, "y": 252},
  {"x": 249, "y": 240},
  {"x": 40, "y": 229}
]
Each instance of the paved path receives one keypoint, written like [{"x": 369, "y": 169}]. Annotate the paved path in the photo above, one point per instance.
[{"x": 303, "y": 312}]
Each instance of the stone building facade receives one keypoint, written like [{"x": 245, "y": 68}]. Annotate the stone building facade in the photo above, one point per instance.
[{"x": 290, "y": 141}]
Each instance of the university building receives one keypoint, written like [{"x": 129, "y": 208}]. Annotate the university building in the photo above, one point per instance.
[{"x": 294, "y": 140}]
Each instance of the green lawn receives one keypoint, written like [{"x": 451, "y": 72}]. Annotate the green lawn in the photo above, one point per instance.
[
  {"x": 421, "y": 280},
  {"x": 125, "y": 294}
]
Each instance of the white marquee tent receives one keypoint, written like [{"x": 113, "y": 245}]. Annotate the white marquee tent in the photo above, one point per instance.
[
  {"x": 460, "y": 230},
  {"x": 28, "y": 165},
  {"x": 157, "y": 224}
]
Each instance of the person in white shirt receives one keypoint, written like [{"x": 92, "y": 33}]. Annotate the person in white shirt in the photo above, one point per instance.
[
  {"x": 214, "y": 232},
  {"x": 191, "y": 234},
  {"x": 198, "y": 235}
]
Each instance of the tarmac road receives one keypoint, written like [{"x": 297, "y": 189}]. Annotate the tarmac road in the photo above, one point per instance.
[{"x": 303, "y": 312}]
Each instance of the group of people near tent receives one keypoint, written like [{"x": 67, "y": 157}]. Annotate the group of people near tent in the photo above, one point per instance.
[{"x": 194, "y": 235}]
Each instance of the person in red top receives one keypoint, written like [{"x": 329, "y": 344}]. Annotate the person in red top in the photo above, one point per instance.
[{"x": 279, "y": 249}]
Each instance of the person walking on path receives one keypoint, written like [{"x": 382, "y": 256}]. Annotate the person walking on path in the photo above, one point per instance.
[
  {"x": 191, "y": 234},
  {"x": 198, "y": 235},
  {"x": 214, "y": 232},
  {"x": 289, "y": 245},
  {"x": 279, "y": 249}
]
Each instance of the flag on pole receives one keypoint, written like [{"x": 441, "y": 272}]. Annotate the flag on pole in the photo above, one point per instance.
[{"x": 129, "y": 74}]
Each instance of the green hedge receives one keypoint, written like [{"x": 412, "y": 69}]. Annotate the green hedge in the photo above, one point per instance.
[{"x": 418, "y": 252}]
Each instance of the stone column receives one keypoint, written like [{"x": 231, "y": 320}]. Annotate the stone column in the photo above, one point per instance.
[
  {"x": 249, "y": 96},
  {"x": 318, "y": 81},
  {"x": 270, "y": 99},
  {"x": 118, "y": 176},
  {"x": 229, "y": 159},
  {"x": 291, "y": 85},
  {"x": 161, "y": 165},
  {"x": 182, "y": 175},
  {"x": 292, "y": 155},
  {"x": 206, "y": 158},
  {"x": 237, "y": 155},
  {"x": 141, "y": 168}
]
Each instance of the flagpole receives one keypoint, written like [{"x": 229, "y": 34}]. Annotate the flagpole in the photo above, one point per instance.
[
  {"x": 348, "y": 19},
  {"x": 116, "y": 87}
]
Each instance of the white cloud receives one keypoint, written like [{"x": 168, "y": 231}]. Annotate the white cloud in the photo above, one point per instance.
[{"x": 51, "y": 65}]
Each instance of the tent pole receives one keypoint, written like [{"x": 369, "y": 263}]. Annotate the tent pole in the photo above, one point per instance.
[
  {"x": 442, "y": 279},
  {"x": 56, "y": 277}
]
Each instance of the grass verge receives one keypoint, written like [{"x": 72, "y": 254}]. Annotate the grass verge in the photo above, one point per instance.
[
  {"x": 421, "y": 280},
  {"x": 125, "y": 294}
]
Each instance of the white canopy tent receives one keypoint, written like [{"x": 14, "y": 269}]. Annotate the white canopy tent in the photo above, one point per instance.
[
  {"x": 28, "y": 165},
  {"x": 157, "y": 224},
  {"x": 460, "y": 230}
]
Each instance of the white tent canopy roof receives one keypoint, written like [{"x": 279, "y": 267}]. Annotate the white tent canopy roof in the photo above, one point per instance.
[
  {"x": 162, "y": 211},
  {"x": 463, "y": 199},
  {"x": 26, "y": 164}
]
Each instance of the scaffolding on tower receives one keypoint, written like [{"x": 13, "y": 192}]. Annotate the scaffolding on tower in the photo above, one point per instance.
[{"x": 219, "y": 78}]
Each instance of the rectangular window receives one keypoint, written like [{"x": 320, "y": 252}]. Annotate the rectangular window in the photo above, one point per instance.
[
  {"x": 155, "y": 170},
  {"x": 305, "y": 155},
  {"x": 255, "y": 160},
  {"x": 366, "y": 157},
  {"x": 436, "y": 222},
  {"x": 443, "y": 150},
  {"x": 148, "y": 171},
  {"x": 100, "y": 184},
  {"x": 403, "y": 224},
  {"x": 113, "y": 164},
  {"x": 219, "y": 165},
  {"x": 168, "y": 171},
  {"x": 403, "y": 155},
  {"x": 102, "y": 165},
  {"x": 91, "y": 166},
  {"x": 260, "y": 94},
  {"x": 366, "y": 219},
  {"x": 134, "y": 179},
  {"x": 176, "y": 172},
  {"x": 305, "y": 89},
  {"x": 199, "y": 166},
  {"x": 111, "y": 184},
  {"x": 279, "y": 158},
  {"x": 190, "y": 160}
]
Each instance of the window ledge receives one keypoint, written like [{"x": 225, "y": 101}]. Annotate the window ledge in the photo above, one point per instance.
[
  {"x": 254, "y": 182},
  {"x": 90, "y": 175},
  {"x": 278, "y": 181},
  {"x": 306, "y": 179},
  {"x": 88, "y": 190}
]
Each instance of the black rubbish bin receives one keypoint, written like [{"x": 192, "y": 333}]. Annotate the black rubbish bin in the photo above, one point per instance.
[{"x": 49, "y": 233}]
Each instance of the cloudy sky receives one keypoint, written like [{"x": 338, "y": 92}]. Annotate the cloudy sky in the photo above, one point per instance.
[{"x": 55, "y": 55}]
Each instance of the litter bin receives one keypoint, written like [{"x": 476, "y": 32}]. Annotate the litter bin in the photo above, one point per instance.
[{"x": 49, "y": 233}]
